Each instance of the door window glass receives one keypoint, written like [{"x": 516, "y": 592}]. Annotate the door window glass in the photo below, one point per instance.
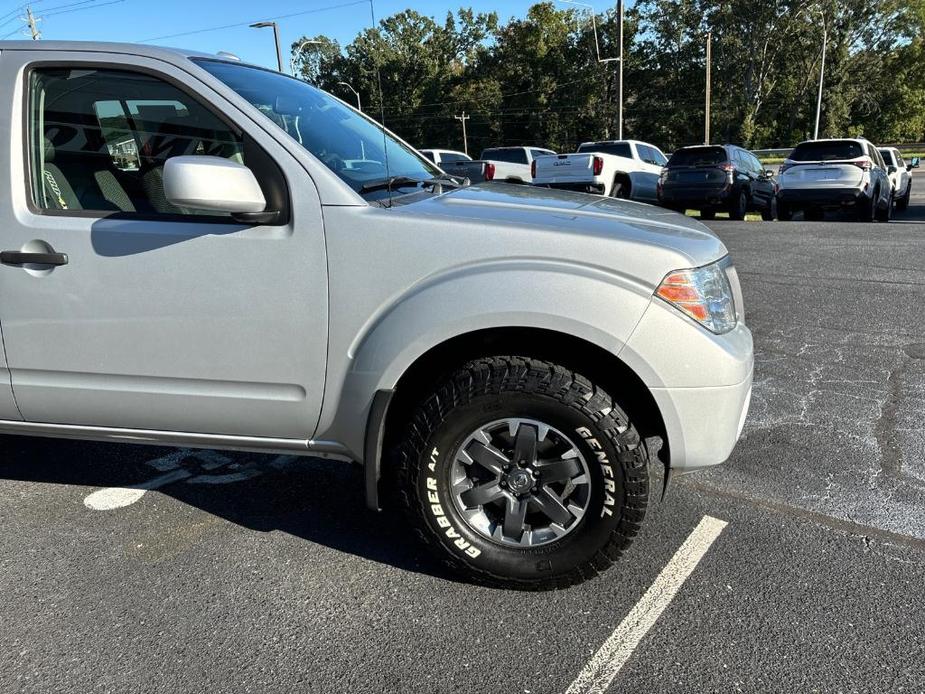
[{"x": 100, "y": 139}]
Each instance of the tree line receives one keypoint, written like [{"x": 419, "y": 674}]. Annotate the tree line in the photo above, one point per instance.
[{"x": 536, "y": 80}]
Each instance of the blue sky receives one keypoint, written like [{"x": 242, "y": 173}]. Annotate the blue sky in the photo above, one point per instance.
[{"x": 140, "y": 20}]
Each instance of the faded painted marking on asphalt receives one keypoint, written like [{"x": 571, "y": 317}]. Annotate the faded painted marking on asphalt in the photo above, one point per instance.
[
  {"x": 183, "y": 465},
  {"x": 604, "y": 665},
  {"x": 119, "y": 497}
]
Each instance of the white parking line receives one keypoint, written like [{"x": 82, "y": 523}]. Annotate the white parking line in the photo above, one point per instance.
[{"x": 617, "y": 649}]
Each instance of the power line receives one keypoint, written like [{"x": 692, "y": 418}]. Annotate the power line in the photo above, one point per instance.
[
  {"x": 70, "y": 4},
  {"x": 248, "y": 23},
  {"x": 102, "y": 4},
  {"x": 30, "y": 19}
]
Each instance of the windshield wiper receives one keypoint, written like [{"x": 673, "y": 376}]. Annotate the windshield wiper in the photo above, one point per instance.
[
  {"x": 405, "y": 181},
  {"x": 390, "y": 184}
]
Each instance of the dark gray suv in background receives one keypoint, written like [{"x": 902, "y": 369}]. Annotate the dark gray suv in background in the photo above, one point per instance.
[{"x": 718, "y": 178}]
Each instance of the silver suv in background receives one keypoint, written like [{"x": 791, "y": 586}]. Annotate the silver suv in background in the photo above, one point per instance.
[
  {"x": 821, "y": 175},
  {"x": 199, "y": 252}
]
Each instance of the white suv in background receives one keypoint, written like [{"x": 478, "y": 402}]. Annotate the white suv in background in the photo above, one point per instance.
[
  {"x": 900, "y": 174},
  {"x": 822, "y": 175}
]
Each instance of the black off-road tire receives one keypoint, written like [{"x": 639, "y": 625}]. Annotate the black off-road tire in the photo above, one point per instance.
[{"x": 494, "y": 388}]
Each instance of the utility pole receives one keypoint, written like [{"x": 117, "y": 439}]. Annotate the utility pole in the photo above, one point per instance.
[
  {"x": 620, "y": 74},
  {"x": 462, "y": 119},
  {"x": 31, "y": 20},
  {"x": 706, "y": 125}
]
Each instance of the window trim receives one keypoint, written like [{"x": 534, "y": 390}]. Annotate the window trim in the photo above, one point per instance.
[{"x": 42, "y": 64}]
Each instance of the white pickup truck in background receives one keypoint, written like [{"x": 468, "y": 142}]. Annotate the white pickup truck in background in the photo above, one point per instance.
[
  {"x": 615, "y": 168},
  {"x": 512, "y": 164}
]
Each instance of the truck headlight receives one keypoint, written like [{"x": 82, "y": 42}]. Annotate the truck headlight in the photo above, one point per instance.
[{"x": 702, "y": 293}]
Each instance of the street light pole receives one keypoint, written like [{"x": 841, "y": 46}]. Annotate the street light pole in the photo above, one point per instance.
[
  {"x": 706, "y": 120},
  {"x": 597, "y": 48},
  {"x": 279, "y": 50},
  {"x": 620, "y": 74},
  {"x": 355, "y": 93},
  {"x": 825, "y": 40},
  {"x": 298, "y": 51}
]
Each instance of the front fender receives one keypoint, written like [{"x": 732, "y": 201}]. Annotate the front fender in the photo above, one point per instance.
[{"x": 597, "y": 305}]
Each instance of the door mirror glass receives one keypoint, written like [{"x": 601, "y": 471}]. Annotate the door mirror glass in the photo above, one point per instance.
[
  {"x": 891, "y": 169},
  {"x": 212, "y": 183}
]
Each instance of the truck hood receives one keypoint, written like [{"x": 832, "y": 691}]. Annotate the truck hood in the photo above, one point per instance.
[{"x": 642, "y": 240}]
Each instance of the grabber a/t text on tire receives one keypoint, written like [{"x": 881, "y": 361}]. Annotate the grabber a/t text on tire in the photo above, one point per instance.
[{"x": 522, "y": 473}]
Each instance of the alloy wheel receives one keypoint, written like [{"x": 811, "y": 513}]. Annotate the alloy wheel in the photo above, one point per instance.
[{"x": 520, "y": 482}]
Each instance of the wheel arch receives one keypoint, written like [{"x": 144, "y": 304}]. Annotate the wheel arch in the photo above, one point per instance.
[{"x": 391, "y": 408}]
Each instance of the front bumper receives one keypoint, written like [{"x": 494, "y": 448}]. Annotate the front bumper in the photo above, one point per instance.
[
  {"x": 700, "y": 382},
  {"x": 703, "y": 424}
]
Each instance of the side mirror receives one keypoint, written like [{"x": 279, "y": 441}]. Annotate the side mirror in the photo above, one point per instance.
[
  {"x": 914, "y": 164},
  {"x": 891, "y": 169},
  {"x": 218, "y": 185},
  {"x": 768, "y": 173}
]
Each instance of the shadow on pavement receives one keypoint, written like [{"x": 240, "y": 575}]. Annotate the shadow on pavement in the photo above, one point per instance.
[{"x": 317, "y": 500}]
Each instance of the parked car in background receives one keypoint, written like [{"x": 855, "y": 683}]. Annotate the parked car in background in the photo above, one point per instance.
[
  {"x": 615, "y": 168},
  {"x": 900, "y": 174},
  {"x": 511, "y": 164},
  {"x": 444, "y": 156},
  {"x": 821, "y": 175},
  {"x": 718, "y": 178}
]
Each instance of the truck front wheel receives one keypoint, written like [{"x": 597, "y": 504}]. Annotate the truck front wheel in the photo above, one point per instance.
[{"x": 521, "y": 473}]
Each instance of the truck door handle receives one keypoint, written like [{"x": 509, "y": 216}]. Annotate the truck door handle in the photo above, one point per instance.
[{"x": 23, "y": 258}]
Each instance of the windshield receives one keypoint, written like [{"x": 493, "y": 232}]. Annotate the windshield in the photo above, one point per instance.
[
  {"x": 620, "y": 149},
  {"x": 698, "y": 156},
  {"x": 834, "y": 150},
  {"x": 348, "y": 143}
]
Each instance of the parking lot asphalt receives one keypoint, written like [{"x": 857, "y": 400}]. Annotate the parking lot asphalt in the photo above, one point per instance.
[{"x": 246, "y": 573}]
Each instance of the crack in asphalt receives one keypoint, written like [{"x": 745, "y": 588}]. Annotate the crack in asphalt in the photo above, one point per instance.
[{"x": 850, "y": 527}]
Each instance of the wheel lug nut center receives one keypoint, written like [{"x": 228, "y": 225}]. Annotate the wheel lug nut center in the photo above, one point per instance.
[{"x": 519, "y": 480}]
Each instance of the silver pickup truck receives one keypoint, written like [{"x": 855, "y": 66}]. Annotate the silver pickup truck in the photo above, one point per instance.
[{"x": 199, "y": 252}]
